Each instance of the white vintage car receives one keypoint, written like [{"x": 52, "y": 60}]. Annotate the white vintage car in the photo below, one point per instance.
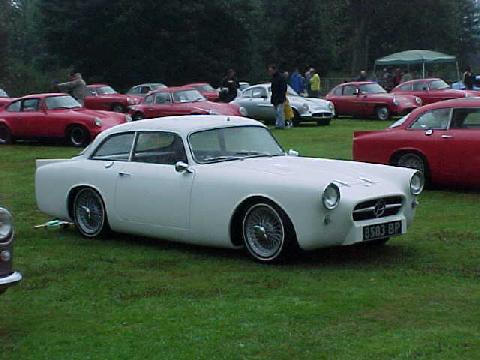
[{"x": 225, "y": 182}]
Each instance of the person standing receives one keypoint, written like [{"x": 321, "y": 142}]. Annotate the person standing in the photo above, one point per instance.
[
  {"x": 297, "y": 82},
  {"x": 231, "y": 85},
  {"x": 308, "y": 75},
  {"x": 468, "y": 78},
  {"x": 315, "y": 84},
  {"x": 76, "y": 87},
  {"x": 278, "y": 98}
]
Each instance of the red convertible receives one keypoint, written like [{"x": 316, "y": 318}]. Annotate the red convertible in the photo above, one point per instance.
[
  {"x": 431, "y": 90},
  {"x": 104, "y": 97},
  {"x": 440, "y": 139},
  {"x": 180, "y": 101},
  {"x": 54, "y": 116},
  {"x": 367, "y": 98},
  {"x": 206, "y": 90}
]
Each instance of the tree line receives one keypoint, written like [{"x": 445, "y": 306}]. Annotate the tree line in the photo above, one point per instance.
[{"x": 127, "y": 42}]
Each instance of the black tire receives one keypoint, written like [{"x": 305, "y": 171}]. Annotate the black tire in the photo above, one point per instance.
[
  {"x": 89, "y": 214},
  {"x": 268, "y": 233},
  {"x": 137, "y": 116},
  {"x": 5, "y": 135},
  {"x": 413, "y": 161},
  {"x": 78, "y": 136},
  {"x": 118, "y": 108},
  {"x": 382, "y": 113}
]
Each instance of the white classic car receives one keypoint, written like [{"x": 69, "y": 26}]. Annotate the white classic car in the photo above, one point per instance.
[
  {"x": 225, "y": 182},
  {"x": 256, "y": 101}
]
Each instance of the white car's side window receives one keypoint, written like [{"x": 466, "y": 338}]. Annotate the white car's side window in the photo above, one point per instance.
[
  {"x": 115, "y": 148},
  {"x": 159, "y": 147}
]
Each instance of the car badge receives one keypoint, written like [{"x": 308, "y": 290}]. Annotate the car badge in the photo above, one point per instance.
[{"x": 380, "y": 208}]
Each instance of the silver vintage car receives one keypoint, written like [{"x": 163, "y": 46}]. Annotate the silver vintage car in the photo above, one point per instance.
[
  {"x": 256, "y": 100},
  {"x": 7, "y": 276}
]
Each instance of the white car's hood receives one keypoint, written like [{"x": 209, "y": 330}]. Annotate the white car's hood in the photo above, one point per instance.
[{"x": 346, "y": 173}]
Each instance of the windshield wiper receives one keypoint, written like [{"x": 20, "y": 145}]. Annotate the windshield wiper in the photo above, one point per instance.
[
  {"x": 220, "y": 158},
  {"x": 252, "y": 154}
]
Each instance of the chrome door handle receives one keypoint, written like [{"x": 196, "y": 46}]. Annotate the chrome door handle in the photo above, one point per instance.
[
  {"x": 447, "y": 136},
  {"x": 123, "y": 174}
]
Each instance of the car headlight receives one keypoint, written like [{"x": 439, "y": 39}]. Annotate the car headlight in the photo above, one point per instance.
[
  {"x": 6, "y": 225},
  {"x": 331, "y": 106},
  {"x": 467, "y": 94},
  {"x": 212, "y": 112},
  {"x": 305, "y": 107},
  {"x": 98, "y": 122},
  {"x": 243, "y": 111},
  {"x": 416, "y": 183},
  {"x": 331, "y": 196},
  {"x": 418, "y": 101},
  {"x": 128, "y": 118},
  {"x": 395, "y": 101},
  {"x": 131, "y": 101}
]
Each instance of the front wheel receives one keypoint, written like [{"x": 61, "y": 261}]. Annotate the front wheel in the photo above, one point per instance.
[
  {"x": 78, "y": 136},
  {"x": 137, "y": 116},
  {"x": 118, "y": 108},
  {"x": 412, "y": 161},
  {"x": 5, "y": 135},
  {"x": 267, "y": 233},
  {"x": 382, "y": 113},
  {"x": 89, "y": 213}
]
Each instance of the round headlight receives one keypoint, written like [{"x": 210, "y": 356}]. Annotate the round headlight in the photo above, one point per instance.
[
  {"x": 395, "y": 101},
  {"x": 98, "y": 122},
  {"x": 305, "y": 107},
  {"x": 128, "y": 118},
  {"x": 331, "y": 196},
  {"x": 331, "y": 106},
  {"x": 418, "y": 100},
  {"x": 6, "y": 225},
  {"x": 416, "y": 183},
  {"x": 243, "y": 111}
]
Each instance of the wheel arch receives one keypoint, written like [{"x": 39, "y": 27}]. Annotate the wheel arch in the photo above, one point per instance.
[
  {"x": 237, "y": 215},
  {"x": 74, "y": 191},
  {"x": 399, "y": 152}
]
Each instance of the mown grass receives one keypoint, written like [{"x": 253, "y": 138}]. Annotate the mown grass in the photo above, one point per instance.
[{"x": 126, "y": 297}]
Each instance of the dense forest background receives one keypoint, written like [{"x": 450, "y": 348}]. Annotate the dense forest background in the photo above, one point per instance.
[{"x": 124, "y": 42}]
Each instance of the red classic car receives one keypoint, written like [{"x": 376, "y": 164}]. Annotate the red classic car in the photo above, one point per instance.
[
  {"x": 440, "y": 139},
  {"x": 431, "y": 90},
  {"x": 104, "y": 97},
  {"x": 206, "y": 90},
  {"x": 367, "y": 98},
  {"x": 54, "y": 116},
  {"x": 180, "y": 101}
]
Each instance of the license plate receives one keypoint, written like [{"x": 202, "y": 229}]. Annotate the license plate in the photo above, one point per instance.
[{"x": 379, "y": 231}]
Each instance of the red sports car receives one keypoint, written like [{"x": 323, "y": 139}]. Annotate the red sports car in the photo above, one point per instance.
[
  {"x": 367, "y": 98},
  {"x": 54, "y": 116},
  {"x": 206, "y": 90},
  {"x": 104, "y": 97},
  {"x": 431, "y": 90},
  {"x": 180, "y": 101},
  {"x": 440, "y": 139}
]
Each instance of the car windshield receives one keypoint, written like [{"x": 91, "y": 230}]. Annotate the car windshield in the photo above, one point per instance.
[
  {"x": 61, "y": 102},
  {"x": 206, "y": 87},
  {"x": 105, "y": 90},
  {"x": 3, "y": 93},
  {"x": 371, "y": 89},
  {"x": 399, "y": 122},
  {"x": 438, "y": 85},
  {"x": 187, "y": 96},
  {"x": 233, "y": 143}
]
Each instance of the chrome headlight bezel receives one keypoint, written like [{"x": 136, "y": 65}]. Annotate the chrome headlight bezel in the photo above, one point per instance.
[
  {"x": 243, "y": 111},
  {"x": 418, "y": 101},
  {"x": 305, "y": 107},
  {"x": 331, "y": 196},
  {"x": 128, "y": 118},
  {"x": 417, "y": 182},
  {"x": 331, "y": 106},
  {"x": 98, "y": 122},
  {"x": 6, "y": 225}
]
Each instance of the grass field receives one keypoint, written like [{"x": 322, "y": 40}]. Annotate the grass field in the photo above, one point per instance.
[{"x": 130, "y": 298}]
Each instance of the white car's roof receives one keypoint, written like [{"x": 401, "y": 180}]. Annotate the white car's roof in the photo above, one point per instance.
[{"x": 184, "y": 125}]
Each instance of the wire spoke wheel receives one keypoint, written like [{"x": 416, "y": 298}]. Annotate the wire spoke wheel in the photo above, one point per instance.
[
  {"x": 263, "y": 232},
  {"x": 78, "y": 136},
  {"x": 89, "y": 213},
  {"x": 382, "y": 113},
  {"x": 412, "y": 161}
]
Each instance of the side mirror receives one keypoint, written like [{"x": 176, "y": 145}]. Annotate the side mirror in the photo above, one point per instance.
[
  {"x": 292, "y": 152},
  {"x": 429, "y": 132},
  {"x": 181, "y": 167},
  {"x": 356, "y": 92}
]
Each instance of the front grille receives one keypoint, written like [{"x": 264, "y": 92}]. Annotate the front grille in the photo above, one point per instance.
[
  {"x": 322, "y": 115},
  {"x": 377, "y": 208}
]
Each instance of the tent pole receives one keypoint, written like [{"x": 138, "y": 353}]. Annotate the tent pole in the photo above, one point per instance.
[
  {"x": 423, "y": 69},
  {"x": 458, "y": 70}
]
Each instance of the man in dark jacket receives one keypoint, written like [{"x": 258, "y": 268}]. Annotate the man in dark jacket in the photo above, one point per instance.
[{"x": 279, "y": 95}]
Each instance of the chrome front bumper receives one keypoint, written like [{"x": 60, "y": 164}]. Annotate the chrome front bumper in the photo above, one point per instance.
[{"x": 10, "y": 280}]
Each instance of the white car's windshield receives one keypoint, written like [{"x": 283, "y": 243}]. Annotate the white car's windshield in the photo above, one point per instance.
[
  {"x": 61, "y": 102},
  {"x": 187, "y": 96},
  {"x": 371, "y": 89},
  {"x": 105, "y": 90},
  {"x": 233, "y": 143},
  {"x": 438, "y": 85}
]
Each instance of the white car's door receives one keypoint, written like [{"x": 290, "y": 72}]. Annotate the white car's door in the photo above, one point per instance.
[
  {"x": 149, "y": 190},
  {"x": 261, "y": 99}
]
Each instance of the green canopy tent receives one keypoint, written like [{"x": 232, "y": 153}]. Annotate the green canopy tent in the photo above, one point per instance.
[{"x": 411, "y": 57}]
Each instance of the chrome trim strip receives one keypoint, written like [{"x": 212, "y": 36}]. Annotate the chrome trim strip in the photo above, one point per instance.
[{"x": 11, "y": 279}]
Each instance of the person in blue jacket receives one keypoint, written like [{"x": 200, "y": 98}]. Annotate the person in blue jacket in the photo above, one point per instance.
[{"x": 297, "y": 82}]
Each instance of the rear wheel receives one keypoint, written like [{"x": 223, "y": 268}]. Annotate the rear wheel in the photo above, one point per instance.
[
  {"x": 118, "y": 108},
  {"x": 412, "y": 161},
  {"x": 5, "y": 135},
  {"x": 78, "y": 136},
  {"x": 137, "y": 116},
  {"x": 89, "y": 213},
  {"x": 382, "y": 113},
  {"x": 268, "y": 233}
]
